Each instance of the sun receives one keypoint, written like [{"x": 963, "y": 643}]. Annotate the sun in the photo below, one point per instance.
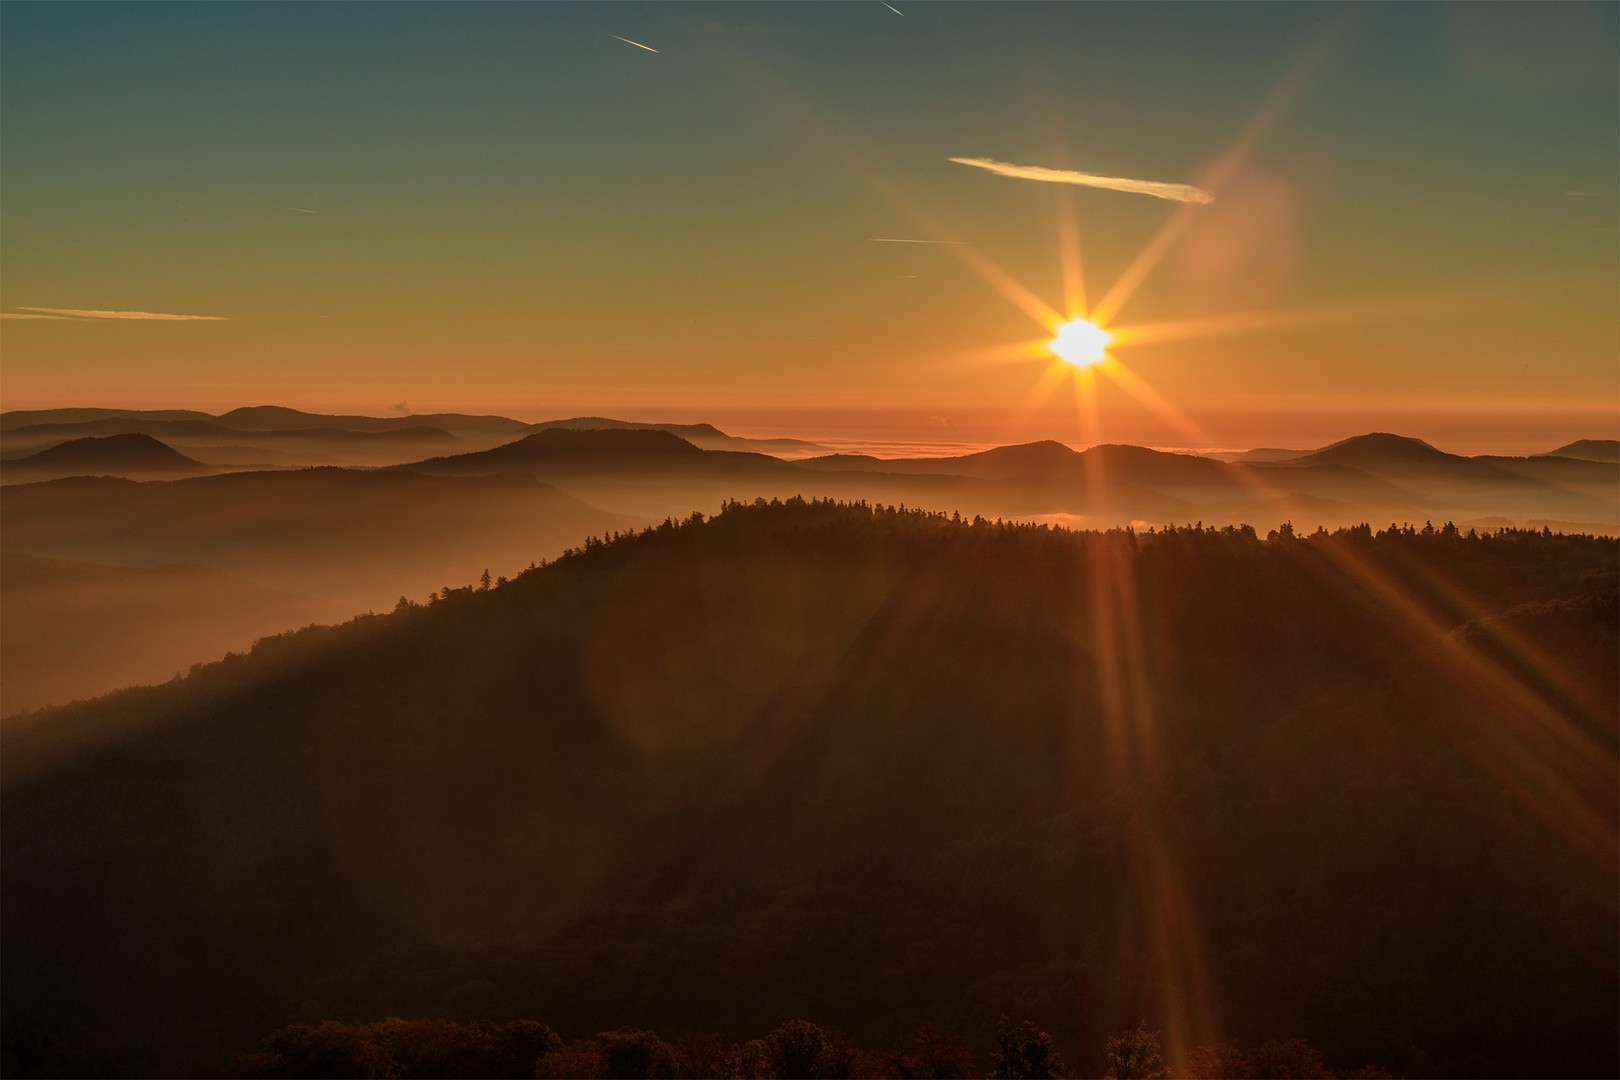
[{"x": 1081, "y": 343}]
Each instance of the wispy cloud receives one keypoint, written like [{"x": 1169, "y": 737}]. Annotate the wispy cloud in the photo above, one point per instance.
[
  {"x": 637, "y": 44},
  {"x": 300, "y": 209},
  {"x": 892, "y": 8},
  {"x": 80, "y": 313},
  {"x": 28, "y": 315},
  {"x": 1174, "y": 192}
]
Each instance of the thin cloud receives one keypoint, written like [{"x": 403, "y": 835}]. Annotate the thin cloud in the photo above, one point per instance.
[
  {"x": 637, "y": 44},
  {"x": 80, "y": 313},
  {"x": 1174, "y": 192},
  {"x": 300, "y": 209},
  {"x": 892, "y": 8},
  {"x": 25, "y": 315}
]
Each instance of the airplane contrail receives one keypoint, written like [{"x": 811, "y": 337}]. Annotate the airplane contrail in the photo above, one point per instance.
[
  {"x": 637, "y": 44},
  {"x": 300, "y": 210},
  {"x": 85, "y": 313},
  {"x": 1159, "y": 190},
  {"x": 892, "y": 8}
]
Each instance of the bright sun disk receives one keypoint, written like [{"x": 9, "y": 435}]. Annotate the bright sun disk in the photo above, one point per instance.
[{"x": 1081, "y": 343}]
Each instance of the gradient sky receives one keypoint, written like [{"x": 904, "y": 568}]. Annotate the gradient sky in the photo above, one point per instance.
[{"x": 516, "y": 212}]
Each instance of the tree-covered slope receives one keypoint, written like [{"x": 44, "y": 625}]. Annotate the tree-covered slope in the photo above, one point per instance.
[{"x": 868, "y": 768}]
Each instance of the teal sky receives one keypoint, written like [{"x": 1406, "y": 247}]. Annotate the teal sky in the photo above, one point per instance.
[{"x": 514, "y": 210}]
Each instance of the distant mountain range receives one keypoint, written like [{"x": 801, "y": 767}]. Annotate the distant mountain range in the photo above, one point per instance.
[
  {"x": 277, "y": 436},
  {"x": 259, "y": 418},
  {"x": 650, "y": 471},
  {"x": 1370, "y": 477}
]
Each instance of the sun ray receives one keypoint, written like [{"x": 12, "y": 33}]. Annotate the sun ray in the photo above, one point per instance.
[
  {"x": 1074, "y": 277},
  {"x": 1532, "y": 756},
  {"x": 1156, "y": 403},
  {"x": 1050, "y": 380},
  {"x": 1012, "y": 352},
  {"x": 1312, "y": 315},
  {"x": 1293, "y": 84}
]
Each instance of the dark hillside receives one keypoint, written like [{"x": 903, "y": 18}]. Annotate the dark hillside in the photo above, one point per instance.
[
  {"x": 1590, "y": 450},
  {"x": 870, "y": 768},
  {"x": 112, "y": 454},
  {"x": 1376, "y": 447}
]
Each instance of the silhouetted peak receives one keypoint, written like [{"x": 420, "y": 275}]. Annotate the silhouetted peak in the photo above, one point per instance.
[
  {"x": 1588, "y": 450},
  {"x": 114, "y": 451},
  {"x": 561, "y": 442},
  {"x": 1046, "y": 452},
  {"x": 1377, "y": 446},
  {"x": 261, "y": 417},
  {"x": 1131, "y": 452}
]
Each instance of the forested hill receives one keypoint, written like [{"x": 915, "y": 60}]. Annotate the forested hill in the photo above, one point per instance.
[{"x": 870, "y": 768}]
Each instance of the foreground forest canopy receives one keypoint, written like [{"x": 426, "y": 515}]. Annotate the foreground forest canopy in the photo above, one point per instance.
[
  {"x": 796, "y": 1049},
  {"x": 872, "y": 768}
]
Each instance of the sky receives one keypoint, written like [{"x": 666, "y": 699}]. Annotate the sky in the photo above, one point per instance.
[{"x": 1413, "y": 220}]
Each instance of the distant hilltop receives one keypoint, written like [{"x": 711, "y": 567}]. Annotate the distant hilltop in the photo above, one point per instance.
[
  {"x": 1590, "y": 450},
  {"x": 112, "y": 454}
]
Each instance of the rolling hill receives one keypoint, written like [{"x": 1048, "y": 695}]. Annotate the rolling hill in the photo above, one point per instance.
[
  {"x": 132, "y": 455},
  {"x": 1606, "y": 450},
  {"x": 704, "y": 436},
  {"x": 870, "y": 768}
]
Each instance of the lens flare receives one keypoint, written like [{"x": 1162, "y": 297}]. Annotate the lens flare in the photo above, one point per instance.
[{"x": 1081, "y": 343}]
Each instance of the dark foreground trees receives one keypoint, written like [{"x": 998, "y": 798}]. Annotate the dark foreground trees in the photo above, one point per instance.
[
  {"x": 796, "y": 1050},
  {"x": 406, "y": 1049}
]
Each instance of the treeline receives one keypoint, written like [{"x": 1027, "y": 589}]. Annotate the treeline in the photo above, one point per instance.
[{"x": 797, "y": 1050}]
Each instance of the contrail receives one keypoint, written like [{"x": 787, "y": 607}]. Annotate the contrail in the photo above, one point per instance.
[
  {"x": 892, "y": 8},
  {"x": 1173, "y": 192},
  {"x": 300, "y": 210},
  {"x": 896, "y": 240},
  {"x": 82, "y": 313},
  {"x": 638, "y": 44}
]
